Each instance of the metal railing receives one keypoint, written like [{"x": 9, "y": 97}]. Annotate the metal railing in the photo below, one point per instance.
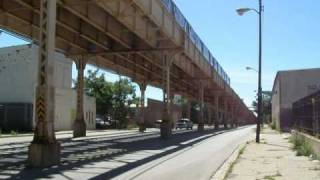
[
  {"x": 306, "y": 114},
  {"x": 185, "y": 25}
]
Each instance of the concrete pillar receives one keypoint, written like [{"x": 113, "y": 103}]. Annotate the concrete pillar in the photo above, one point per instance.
[
  {"x": 201, "y": 102},
  {"x": 209, "y": 115},
  {"x": 189, "y": 110},
  {"x": 44, "y": 149},
  {"x": 225, "y": 113},
  {"x": 231, "y": 116},
  {"x": 166, "y": 129},
  {"x": 217, "y": 116},
  {"x": 142, "y": 87},
  {"x": 167, "y": 125},
  {"x": 234, "y": 117},
  {"x": 79, "y": 126}
]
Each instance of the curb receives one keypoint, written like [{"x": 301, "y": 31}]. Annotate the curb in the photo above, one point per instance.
[{"x": 222, "y": 172}]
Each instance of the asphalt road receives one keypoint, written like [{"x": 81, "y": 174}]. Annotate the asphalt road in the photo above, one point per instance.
[
  {"x": 198, "y": 161},
  {"x": 129, "y": 155}
]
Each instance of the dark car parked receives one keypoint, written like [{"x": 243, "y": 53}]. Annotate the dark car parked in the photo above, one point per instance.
[{"x": 102, "y": 122}]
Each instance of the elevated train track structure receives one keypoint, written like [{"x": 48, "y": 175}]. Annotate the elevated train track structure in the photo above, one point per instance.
[{"x": 149, "y": 41}]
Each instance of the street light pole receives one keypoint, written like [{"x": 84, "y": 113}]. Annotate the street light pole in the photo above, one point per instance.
[
  {"x": 241, "y": 11},
  {"x": 259, "y": 76}
]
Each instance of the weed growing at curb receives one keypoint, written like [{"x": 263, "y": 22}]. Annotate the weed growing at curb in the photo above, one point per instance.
[
  {"x": 234, "y": 162},
  {"x": 315, "y": 168},
  {"x": 272, "y": 177},
  {"x": 273, "y": 125},
  {"x": 302, "y": 147},
  {"x": 132, "y": 126},
  {"x": 241, "y": 151},
  {"x": 13, "y": 133}
]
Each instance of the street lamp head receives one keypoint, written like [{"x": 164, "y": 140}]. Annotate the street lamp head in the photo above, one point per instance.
[
  {"x": 250, "y": 68},
  {"x": 241, "y": 11}
]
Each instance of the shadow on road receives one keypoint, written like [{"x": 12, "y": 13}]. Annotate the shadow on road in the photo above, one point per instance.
[{"x": 99, "y": 158}]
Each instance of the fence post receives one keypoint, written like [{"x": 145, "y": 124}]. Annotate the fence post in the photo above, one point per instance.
[
  {"x": 314, "y": 124},
  {"x": 316, "y": 120}
]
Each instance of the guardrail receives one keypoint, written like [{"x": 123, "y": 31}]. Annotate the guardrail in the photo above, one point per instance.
[
  {"x": 306, "y": 114},
  {"x": 185, "y": 25}
]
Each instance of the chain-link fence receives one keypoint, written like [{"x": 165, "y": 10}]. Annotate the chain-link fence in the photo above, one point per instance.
[{"x": 306, "y": 114}]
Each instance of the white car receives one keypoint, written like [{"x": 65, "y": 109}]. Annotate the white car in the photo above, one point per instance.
[{"x": 184, "y": 123}]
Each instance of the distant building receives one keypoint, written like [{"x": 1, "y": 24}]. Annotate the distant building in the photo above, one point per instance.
[
  {"x": 18, "y": 79},
  {"x": 290, "y": 86}
]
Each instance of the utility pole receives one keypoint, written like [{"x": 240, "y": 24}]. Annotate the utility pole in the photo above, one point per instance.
[
  {"x": 242, "y": 11},
  {"x": 259, "y": 76}
]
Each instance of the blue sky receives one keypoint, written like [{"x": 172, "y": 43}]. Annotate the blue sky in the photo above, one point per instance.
[{"x": 291, "y": 39}]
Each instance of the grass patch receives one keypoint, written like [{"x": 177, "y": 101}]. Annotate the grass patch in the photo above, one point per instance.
[
  {"x": 13, "y": 133},
  {"x": 132, "y": 126},
  {"x": 272, "y": 177},
  {"x": 301, "y": 146},
  {"x": 315, "y": 169},
  {"x": 273, "y": 125},
  {"x": 241, "y": 151}
]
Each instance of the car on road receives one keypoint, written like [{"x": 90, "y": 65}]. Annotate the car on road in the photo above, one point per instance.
[
  {"x": 184, "y": 123},
  {"x": 157, "y": 123},
  {"x": 102, "y": 122}
]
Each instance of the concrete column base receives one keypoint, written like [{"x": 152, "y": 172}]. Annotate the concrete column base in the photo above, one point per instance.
[
  {"x": 165, "y": 130},
  {"x": 142, "y": 128},
  {"x": 79, "y": 128},
  {"x": 216, "y": 126},
  {"x": 225, "y": 125},
  {"x": 44, "y": 154},
  {"x": 166, "y": 126},
  {"x": 200, "y": 127}
]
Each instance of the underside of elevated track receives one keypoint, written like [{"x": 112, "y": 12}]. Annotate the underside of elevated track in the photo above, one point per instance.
[{"x": 149, "y": 41}]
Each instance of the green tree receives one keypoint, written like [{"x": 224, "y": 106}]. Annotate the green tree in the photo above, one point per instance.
[
  {"x": 112, "y": 99},
  {"x": 98, "y": 87},
  {"x": 266, "y": 105},
  {"x": 183, "y": 103},
  {"x": 123, "y": 96}
]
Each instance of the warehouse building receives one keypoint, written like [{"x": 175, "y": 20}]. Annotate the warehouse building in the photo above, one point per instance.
[
  {"x": 18, "y": 77},
  {"x": 290, "y": 86}
]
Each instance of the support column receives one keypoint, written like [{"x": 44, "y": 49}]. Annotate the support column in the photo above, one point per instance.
[
  {"x": 189, "y": 110},
  {"x": 201, "y": 117},
  {"x": 232, "y": 116},
  {"x": 209, "y": 115},
  {"x": 79, "y": 126},
  {"x": 166, "y": 129},
  {"x": 166, "y": 125},
  {"x": 237, "y": 116},
  {"x": 216, "y": 105},
  {"x": 44, "y": 149},
  {"x": 225, "y": 113},
  {"x": 142, "y": 87}
]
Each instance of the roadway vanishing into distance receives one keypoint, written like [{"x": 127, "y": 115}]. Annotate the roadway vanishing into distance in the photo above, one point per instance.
[{"x": 128, "y": 155}]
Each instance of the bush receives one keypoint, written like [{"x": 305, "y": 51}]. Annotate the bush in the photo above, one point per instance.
[
  {"x": 273, "y": 125},
  {"x": 302, "y": 146},
  {"x": 13, "y": 133},
  {"x": 132, "y": 126}
]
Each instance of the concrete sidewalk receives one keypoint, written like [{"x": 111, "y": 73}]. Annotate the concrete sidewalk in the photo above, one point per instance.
[{"x": 272, "y": 159}]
